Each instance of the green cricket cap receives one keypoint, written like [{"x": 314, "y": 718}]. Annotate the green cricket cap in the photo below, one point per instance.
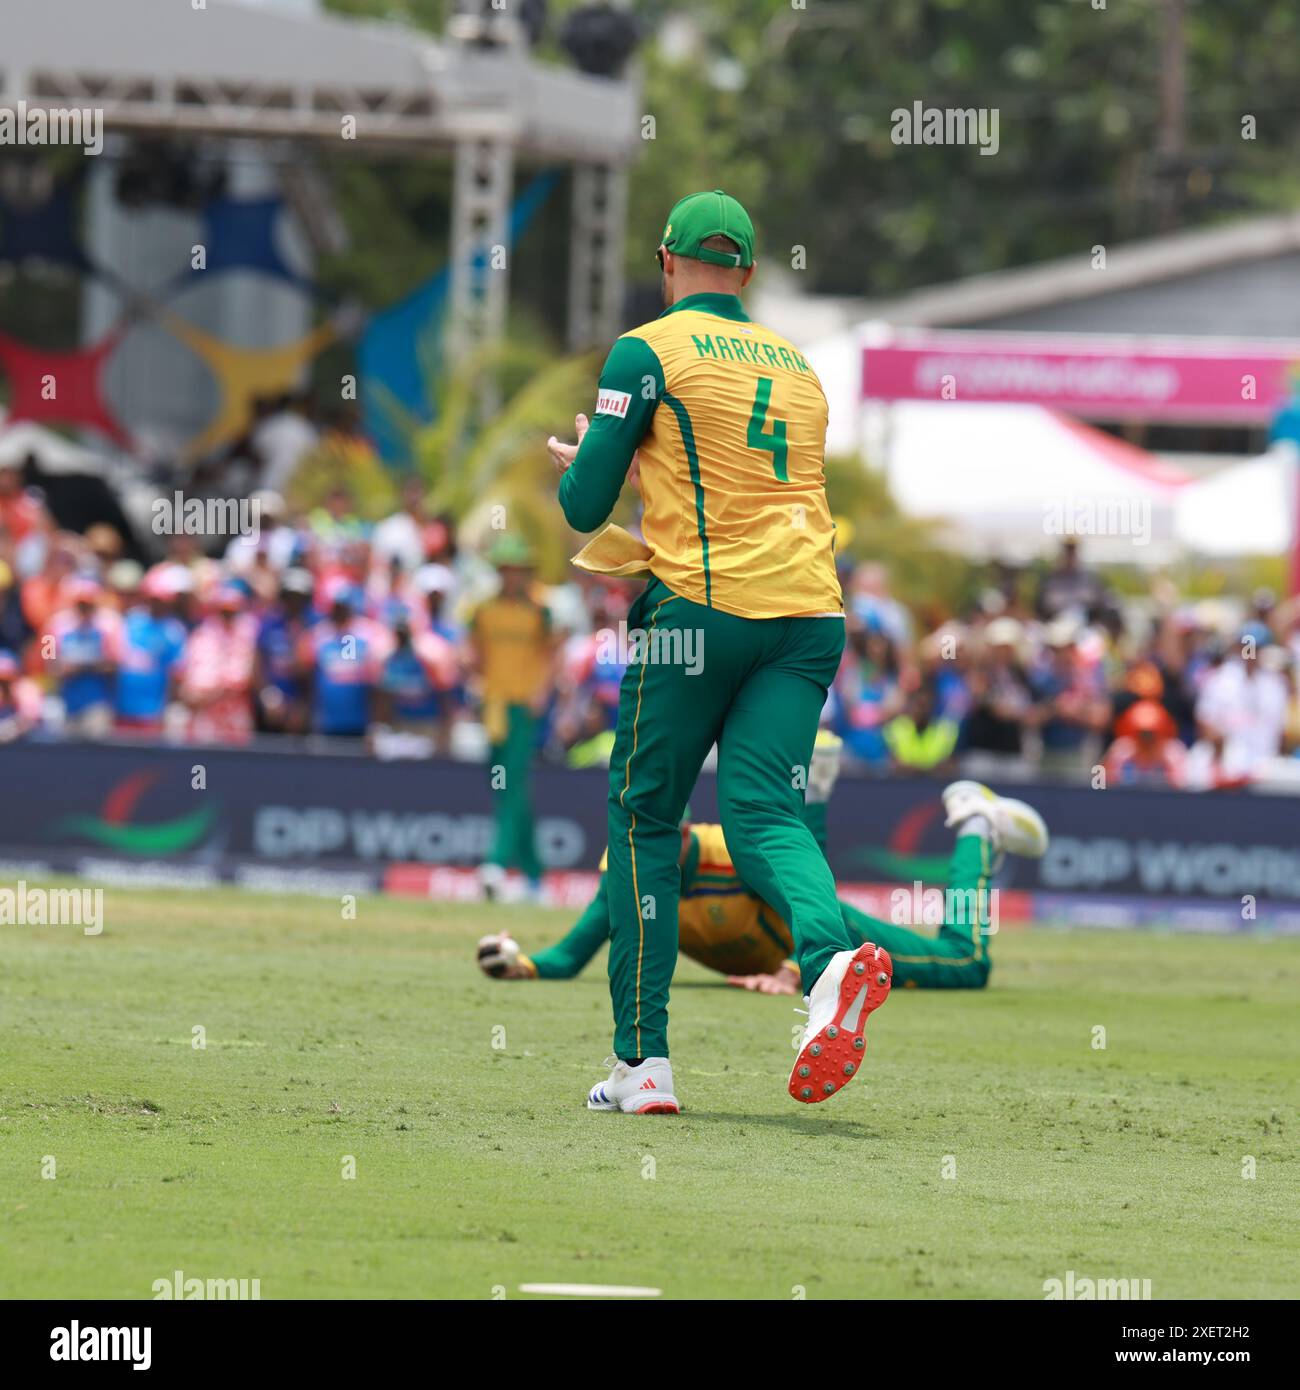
[
  {"x": 511, "y": 552},
  {"x": 699, "y": 216}
]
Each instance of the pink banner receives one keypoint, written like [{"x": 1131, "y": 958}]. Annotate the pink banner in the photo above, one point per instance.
[{"x": 1098, "y": 377}]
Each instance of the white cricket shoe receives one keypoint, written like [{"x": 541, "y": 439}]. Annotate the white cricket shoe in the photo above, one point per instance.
[
  {"x": 1017, "y": 827},
  {"x": 834, "y": 1039},
  {"x": 643, "y": 1090}
]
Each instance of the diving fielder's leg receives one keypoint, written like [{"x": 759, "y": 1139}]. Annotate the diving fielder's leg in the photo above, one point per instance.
[{"x": 987, "y": 826}]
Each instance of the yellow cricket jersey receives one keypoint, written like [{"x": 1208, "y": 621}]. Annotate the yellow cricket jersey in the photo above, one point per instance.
[
  {"x": 730, "y": 421},
  {"x": 720, "y": 922},
  {"x": 514, "y": 639}
]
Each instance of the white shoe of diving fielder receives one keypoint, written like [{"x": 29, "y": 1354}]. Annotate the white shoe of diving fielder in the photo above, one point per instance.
[
  {"x": 643, "y": 1090},
  {"x": 824, "y": 769},
  {"x": 835, "y": 1037},
  {"x": 1017, "y": 827}
]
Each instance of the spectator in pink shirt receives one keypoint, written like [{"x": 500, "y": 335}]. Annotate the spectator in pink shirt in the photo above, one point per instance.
[
  {"x": 20, "y": 700},
  {"x": 217, "y": 669}
]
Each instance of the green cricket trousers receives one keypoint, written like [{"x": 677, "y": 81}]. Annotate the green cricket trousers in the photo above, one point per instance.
[{"x": 756, "y": 687}]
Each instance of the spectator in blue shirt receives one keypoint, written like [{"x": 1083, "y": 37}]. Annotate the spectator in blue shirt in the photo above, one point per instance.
[
  {"x": 86, "y": 645},
  {"x": 152, "y": 641},
  {"x": 343, "y": 656},
  {"x": 283, "y": 692}
]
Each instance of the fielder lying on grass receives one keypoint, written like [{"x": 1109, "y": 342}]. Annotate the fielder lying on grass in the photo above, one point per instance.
[{"x": 726, "y": 927}]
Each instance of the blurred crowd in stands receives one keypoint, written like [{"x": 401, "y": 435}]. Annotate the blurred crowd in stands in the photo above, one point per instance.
[
  {"x": 1070, "y": 682},
  {"x": 319, "y": 624}
]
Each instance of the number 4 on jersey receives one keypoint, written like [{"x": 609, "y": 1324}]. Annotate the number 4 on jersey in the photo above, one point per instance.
[{"x": 774, "y": 443}]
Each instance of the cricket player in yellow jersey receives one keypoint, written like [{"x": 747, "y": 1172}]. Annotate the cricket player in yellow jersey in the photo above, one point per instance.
[
  {"x": 738, "y": 635},
  {"x": 514, "y": 650}
]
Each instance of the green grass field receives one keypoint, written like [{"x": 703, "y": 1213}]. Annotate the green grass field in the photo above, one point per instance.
[{"x": 477, "y": 1168}]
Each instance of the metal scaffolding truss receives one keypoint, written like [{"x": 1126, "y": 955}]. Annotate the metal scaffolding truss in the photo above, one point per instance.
[
  {"x": 596, "y": 254},
  {"x": 480, "y": 205},
  {"x": 165, "y": 67}
]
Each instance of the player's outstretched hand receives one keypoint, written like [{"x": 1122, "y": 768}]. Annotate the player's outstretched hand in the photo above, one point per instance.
[
  {"x": 785, "y": 981},
  {"x": 562, "y": 455},
  {"x": 498, "y": 956}
]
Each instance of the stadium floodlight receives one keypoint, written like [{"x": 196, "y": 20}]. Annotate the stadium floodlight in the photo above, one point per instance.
[{"x": 600, "y": 38}]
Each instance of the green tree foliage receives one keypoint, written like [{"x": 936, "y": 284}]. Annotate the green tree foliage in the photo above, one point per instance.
[
  {"x": 1077, "y": 92},
  {"x": 475, "y": 467}
]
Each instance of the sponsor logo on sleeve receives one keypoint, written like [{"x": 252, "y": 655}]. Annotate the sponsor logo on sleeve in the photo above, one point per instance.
[{"x": 613, "y": 403}]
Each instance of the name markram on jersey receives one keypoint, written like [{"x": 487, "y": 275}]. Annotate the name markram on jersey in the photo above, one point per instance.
[
  {"x": 722, "y": 350},
  {"x": 744, "y": 350}
]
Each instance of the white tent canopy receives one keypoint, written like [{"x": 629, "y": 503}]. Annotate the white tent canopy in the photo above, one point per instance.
[
  {"x": 1004, "y": 475},
  {"x": 1009, "y": 480},
  {"x": 837, "y": 360},
  {"x": 1248, "y": 509},
  {"x": 1012, "y": 480}
]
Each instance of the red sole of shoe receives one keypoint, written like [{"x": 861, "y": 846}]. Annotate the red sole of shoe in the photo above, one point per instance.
[
  {"x": 657, "y": 1107},
  {"x": 833, "y": 1057}
]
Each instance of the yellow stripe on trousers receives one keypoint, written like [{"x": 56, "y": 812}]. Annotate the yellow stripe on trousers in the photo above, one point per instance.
[{"x": 627, "y": 782}]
